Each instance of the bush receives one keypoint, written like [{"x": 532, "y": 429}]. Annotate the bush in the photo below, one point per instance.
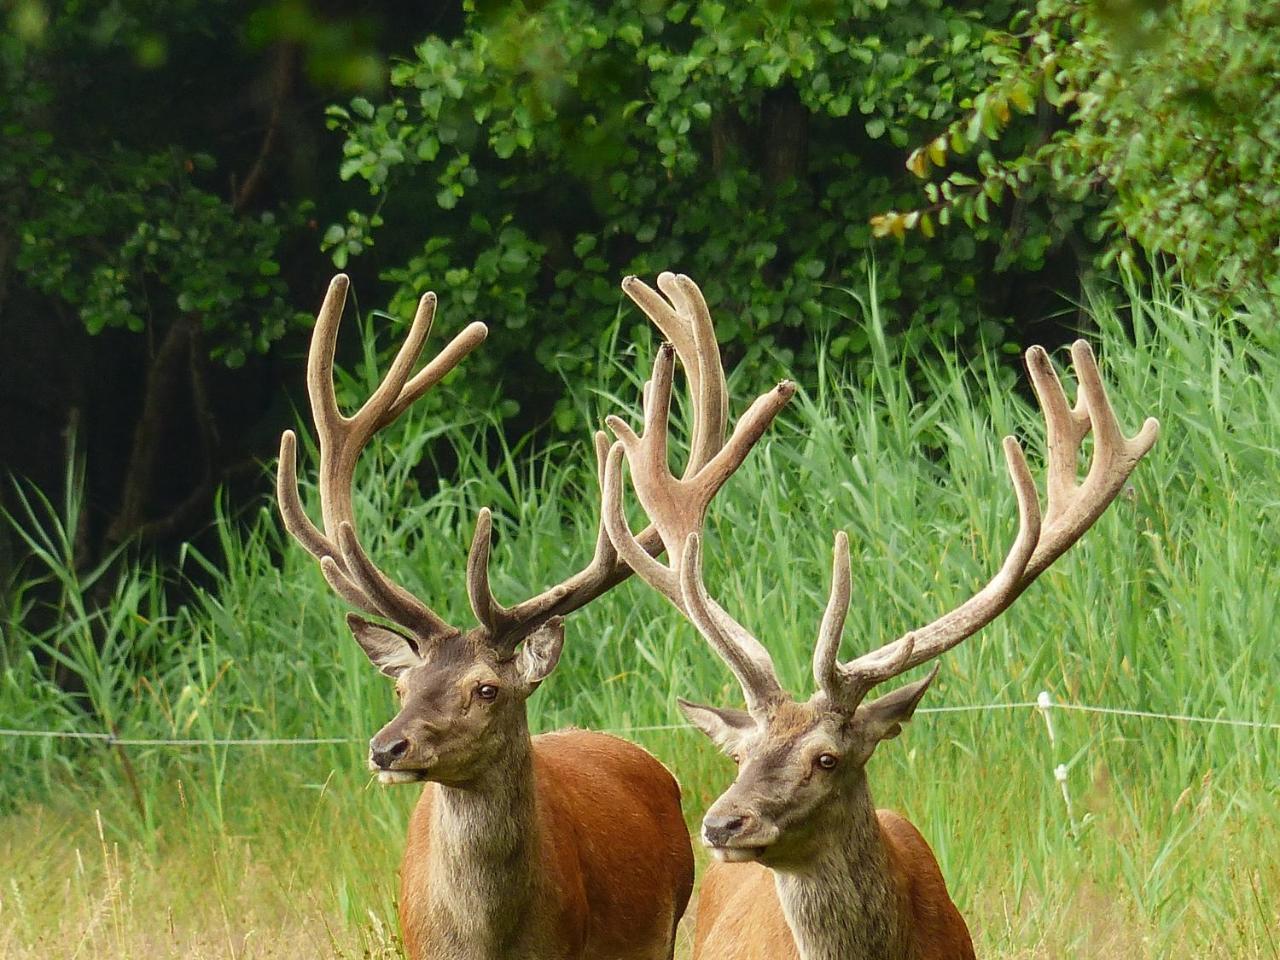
[
  {"x": 1163, "y": 115},
  {"x": 524, "y": 166}
]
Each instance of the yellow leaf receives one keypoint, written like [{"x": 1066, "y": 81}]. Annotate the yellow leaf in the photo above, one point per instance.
[
  {"x": 917, "y": 163},
  {"x": 1021, "y": 99},
  {"x": 938, "y": 151}
]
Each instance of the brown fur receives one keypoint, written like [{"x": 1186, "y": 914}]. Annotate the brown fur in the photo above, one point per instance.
[
  {"x": 610, "y": 865},
  {"x": 740, "y": 915}
]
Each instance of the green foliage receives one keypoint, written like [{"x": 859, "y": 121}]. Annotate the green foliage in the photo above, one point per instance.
[
  {"x": 118, "y": 206},
  {"x": 552, "y": 148},
  {"x": 127, "y": 238},
  {"x": 1167, "y": 604},
  {"x": 162, "y": 248},
  {"x": 1167, "y": 122}
]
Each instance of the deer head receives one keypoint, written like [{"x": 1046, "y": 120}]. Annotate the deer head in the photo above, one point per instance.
[
  {"x": 797, "y": 759},
  {"x": 461, "y": 692}
]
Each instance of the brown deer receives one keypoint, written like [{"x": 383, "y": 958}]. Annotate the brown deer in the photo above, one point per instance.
[
  {"x": 807, "y": 868},
  {"x": 564, "y": 845}
]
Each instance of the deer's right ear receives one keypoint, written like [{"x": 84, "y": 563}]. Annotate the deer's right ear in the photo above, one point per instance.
[
  {"x": 540, "y": 652},
  {"x": 727, "y": 728},
  {"x": 391, "y": 651}
]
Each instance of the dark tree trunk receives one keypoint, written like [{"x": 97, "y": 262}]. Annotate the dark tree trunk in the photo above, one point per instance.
[
  {"x": 785, "y": 127},
  {"x": 168, "y": 373}
]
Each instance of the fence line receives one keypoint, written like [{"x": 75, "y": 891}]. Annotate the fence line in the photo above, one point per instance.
[
  {"x": 1042, "y": 704},
  {"x": 1179, "y": 717}
]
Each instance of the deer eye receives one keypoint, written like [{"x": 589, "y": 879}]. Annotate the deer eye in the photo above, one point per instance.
[
  {"x": 487, "y": 691},
  {"x": 827, "y": 761}
]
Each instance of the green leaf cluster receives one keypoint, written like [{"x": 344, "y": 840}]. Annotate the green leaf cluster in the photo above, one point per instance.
[
  {"x": 111, "y": 217},
  {"x": 1161, "y": 119},
  {"x": 139, "y": 258}
]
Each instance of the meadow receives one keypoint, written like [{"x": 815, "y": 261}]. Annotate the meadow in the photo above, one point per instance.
[{"x": 1171, "y": 844}]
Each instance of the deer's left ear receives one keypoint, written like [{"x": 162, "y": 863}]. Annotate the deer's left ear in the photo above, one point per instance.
[
  {"x": 540, "y": 652},
  {"x": 883, "y": 718},
  {"x": 390, "y": 650},
  {"x": 726, "y": 727}
]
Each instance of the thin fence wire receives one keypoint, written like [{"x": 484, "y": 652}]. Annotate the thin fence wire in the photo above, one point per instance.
[{"x": 112, "y": 740}]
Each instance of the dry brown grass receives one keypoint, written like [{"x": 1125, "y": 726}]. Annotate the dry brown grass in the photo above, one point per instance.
[{"x": 71, "y": 891}]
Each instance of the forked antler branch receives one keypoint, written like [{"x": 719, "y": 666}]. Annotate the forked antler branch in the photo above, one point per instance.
[
  {"x": 677, "y": 505},
  {"x": 342, "y": 559},
  {"x": 1072, "y": 508}
]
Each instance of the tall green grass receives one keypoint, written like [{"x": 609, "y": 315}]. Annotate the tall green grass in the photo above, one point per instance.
[{"x": 1167, "y": 605}]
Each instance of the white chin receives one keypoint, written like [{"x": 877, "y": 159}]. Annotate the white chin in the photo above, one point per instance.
[
  {"x": 388, "y": 777},
  {"x": 736, "y": 854}
]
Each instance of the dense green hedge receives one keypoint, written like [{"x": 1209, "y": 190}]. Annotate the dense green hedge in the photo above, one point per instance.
[
  {"x": 552, "y": 148},
  {"x": 525, "y": 165}
]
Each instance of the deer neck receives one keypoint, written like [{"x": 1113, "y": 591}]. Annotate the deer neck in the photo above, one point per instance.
[
  {"x": 842, "y": 903},
  {"x": 484, "y": 852}
]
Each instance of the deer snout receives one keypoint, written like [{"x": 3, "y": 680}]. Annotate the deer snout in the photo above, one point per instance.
[
  {"x": 719, "y": 829},
  {"x": 383, "y": 753}
]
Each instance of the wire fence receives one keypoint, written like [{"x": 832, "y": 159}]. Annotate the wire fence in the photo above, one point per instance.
[{"x": 1044, "y": 703}]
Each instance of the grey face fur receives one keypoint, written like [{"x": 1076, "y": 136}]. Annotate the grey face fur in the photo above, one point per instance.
[
  {"x": 796, "y": 762},
  {"x": 460, "y": 699}
]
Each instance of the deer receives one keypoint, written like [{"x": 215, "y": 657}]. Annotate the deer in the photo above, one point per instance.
[
  {"x": 568, "y": 845},
  {"x": 804, "y": 866}
]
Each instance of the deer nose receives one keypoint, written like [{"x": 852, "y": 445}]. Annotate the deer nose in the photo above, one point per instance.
[
  {"x": 719, "y": 830},
  {"x": 384, "y": 756}
]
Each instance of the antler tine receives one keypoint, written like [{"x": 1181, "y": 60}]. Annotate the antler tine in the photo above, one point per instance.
[
  {"x": 393, "y": 601},
  {"x": 745, "y": 656},
  {"x": 491, "y": 614},
  {"x": 849, "y": 683},
  {"x": 1072, "y": 508},
  {"x": 324, "y": 341},
  {"x": 832, "y": 628},
  {"x": 506, "y": 626},
  {"x": 629, "y": 548},
  {"x": 296, "y": 521},
  {"x": 646, "y": 455},
  {"x": 686, "y": 323},
  {"x": 453, "y": 353},
  {"x": 343, "y": 561}
]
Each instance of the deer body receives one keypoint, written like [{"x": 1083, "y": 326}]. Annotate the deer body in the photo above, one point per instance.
[{"x": 526, "y": 862}]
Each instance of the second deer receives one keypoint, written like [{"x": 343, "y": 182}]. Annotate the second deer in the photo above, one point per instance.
[{"x": 807, "y": 868}]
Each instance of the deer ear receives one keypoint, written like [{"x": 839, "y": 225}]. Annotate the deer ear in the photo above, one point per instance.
[
  {"x": 883, "y": 718},
  {"x": 391, "y": 651},
  {"x": 540, "y": 652},
  {"x": 725, "y": 727}
]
